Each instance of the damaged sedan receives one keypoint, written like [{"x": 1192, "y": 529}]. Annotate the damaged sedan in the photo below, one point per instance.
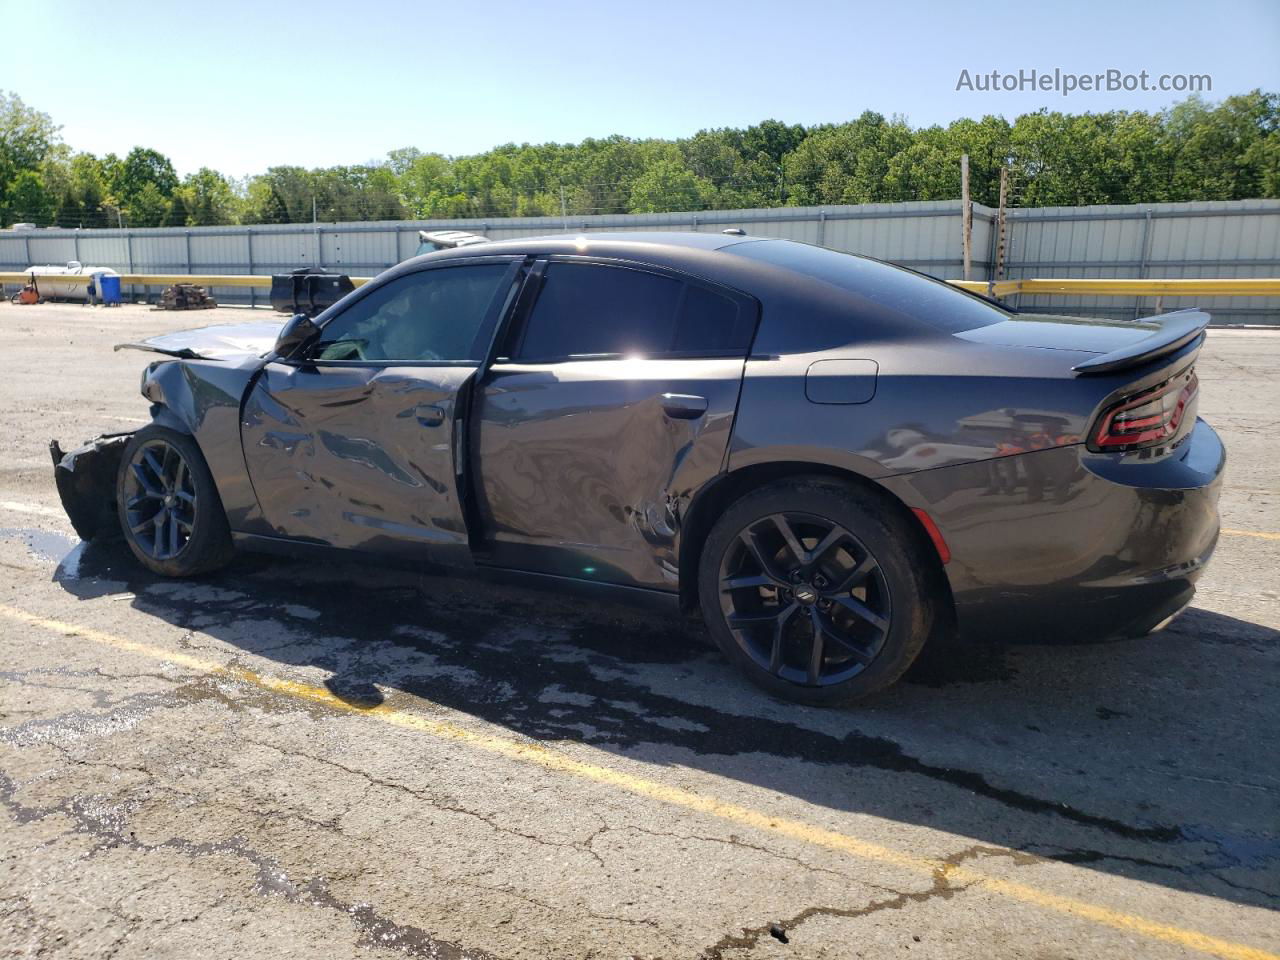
[{"x": 829, "y": 458}]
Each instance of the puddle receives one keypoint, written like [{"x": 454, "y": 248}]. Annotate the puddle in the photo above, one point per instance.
[
  {"x": 101, "y": 568},
  {"x": 42, "y": 544}
]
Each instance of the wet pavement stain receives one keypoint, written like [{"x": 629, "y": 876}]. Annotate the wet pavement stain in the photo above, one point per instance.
[{"x": 554, "y": 670}]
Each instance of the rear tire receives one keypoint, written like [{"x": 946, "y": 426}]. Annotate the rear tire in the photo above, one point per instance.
[
  {"x": 168, "y": 504},
  {"x": 806, "y": 558}
]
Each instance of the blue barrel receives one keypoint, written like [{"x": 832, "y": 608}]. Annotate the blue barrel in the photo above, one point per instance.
[{"x": 109, "y": 289}]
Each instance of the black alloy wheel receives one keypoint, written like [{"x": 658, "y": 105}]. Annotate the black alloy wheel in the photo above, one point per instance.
[
  {"x": 168, "y": 504},
  {"x": 160, "y": 500},
  {"x": 822, "y": 591},
  {"x": 805, "y": 599}
]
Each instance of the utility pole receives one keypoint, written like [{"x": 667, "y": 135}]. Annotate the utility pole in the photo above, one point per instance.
[
  {"x": 966, "y": 216},
  {"x": 564, "y": 210},
  {"x": 315, "y": 226},
  {"x": 1002, "y": 224}
]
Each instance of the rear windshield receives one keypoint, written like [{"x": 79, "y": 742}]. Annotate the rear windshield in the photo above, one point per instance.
[{"x": 922, "y": 298}]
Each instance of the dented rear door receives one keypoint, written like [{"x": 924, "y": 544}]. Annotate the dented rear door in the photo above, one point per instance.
[{"x": 611, "y": 404}]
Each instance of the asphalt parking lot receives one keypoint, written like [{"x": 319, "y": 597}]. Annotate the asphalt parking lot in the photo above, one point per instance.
[{"x": 290, "y": 759}]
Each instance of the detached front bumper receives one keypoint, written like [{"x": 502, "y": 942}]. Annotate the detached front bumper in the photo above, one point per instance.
[
  {"x": 1063, "y": 544},
  {"x": 86, "y": 481}
]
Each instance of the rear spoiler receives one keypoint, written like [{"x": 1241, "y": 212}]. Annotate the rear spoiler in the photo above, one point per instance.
[{"x": 1172, "y": 332}]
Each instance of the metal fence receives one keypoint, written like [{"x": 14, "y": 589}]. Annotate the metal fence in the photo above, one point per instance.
[{"x": 1233, "y": 239}]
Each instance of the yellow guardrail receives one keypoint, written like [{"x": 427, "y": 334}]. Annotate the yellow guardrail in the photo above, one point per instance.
[{"x": 1224, "y": 287}]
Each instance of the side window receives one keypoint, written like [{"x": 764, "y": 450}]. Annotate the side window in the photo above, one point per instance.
[
  {"x": 424, "y": 316},
  {"x": 593, "y": 310},
  {"x": 711, "y": 323}
]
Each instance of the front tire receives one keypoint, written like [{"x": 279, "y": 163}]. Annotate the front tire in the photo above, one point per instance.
[
  {"x": 168, "y": 505},
  {"x": 816, "y": 590}
]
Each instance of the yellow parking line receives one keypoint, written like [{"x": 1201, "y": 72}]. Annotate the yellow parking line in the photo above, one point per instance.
[
  {"x": 1260, "y": 534},
  {"x": 535, "y": 753}
]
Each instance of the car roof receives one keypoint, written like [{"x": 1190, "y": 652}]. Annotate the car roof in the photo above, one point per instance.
[
  {"x": 640, "y": 243},
  {"x": 784, "y": 292}
]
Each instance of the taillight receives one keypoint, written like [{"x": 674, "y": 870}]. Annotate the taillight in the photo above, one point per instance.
[{"x": 1146, "y": 418}]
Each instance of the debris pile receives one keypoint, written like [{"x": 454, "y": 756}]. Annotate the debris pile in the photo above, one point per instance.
[{"x": 185, "y": 296}]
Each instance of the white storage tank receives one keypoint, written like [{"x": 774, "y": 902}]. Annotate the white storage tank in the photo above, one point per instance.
[{"x": 51, "y": 289}]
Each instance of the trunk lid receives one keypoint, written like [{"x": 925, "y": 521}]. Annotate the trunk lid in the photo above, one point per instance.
[{"x": 1099, "y": 346}]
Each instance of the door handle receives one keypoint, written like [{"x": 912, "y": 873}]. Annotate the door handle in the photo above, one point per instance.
[
  {"x": 429, "y": 415},
  {"x": 684, "y": 406}
]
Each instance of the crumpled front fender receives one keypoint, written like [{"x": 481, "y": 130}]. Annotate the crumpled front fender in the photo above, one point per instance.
[{"x": 86, "y": 481}]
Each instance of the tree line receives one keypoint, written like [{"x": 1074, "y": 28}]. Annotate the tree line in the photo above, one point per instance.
[{"x": 1194, "y": 150}]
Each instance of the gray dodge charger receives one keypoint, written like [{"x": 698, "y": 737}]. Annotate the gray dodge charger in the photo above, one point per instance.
[{"x": 828, "y": 457}]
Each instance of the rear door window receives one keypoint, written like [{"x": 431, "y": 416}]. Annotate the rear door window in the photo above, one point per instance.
[{"x": 591, "y": 310}]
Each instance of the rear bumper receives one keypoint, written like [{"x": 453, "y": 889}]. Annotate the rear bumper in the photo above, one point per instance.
[{"x": 1065, "y": 544}]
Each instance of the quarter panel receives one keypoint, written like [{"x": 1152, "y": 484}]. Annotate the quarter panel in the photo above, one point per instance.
[{"x": 928, "y": 409}]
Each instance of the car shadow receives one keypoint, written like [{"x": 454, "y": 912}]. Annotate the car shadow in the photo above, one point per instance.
[{"x": 1152, "y": 758}]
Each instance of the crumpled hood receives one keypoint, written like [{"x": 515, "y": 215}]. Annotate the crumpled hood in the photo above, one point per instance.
[{"x": 218, "y": 342}]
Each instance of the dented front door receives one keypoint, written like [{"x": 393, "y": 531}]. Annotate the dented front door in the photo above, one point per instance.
[
  {"x": 355, "y": 442},
  {"x": 360, "y": 457}
]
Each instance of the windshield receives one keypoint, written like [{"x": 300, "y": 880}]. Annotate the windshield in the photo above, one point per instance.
[{"x": 913, "y": 294}]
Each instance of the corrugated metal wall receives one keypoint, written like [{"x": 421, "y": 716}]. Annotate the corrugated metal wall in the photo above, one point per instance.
[
  {"x": 1169, "y": 240},
  {"x": 1212, "y": 239}
]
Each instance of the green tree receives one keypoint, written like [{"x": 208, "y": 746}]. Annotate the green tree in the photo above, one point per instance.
[
  {"x": 79, "y": 184},
  {"x": 1263, "y": 156},
  {"x": 148, "y": 208},
  {"x": 30, "y": 200},
  {"x": 211, "y": 199},
  {"x": 177, "y": 215},
  {"x": 27, "y": 138},
  {"x": 667, "y": 184},
  {"x": 281, "y": 195},
  {"x": 846, "y": 164},
  {"x": 89, "y": 186},
  {"x": 1195, "y": 150},
  {"x": 143, "y": 167},
  {"x": 1210, "y": 147},
  {"x": 401, "y": 160}
]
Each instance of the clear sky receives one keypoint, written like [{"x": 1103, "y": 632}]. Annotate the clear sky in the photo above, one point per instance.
[{"x": 241, "y": 86}]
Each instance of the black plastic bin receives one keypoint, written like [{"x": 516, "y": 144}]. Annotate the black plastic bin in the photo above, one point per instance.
[{"x": 308, "y": 291}]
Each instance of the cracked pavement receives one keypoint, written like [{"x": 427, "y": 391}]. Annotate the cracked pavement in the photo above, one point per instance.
[{"x": 155, "y": 808}]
